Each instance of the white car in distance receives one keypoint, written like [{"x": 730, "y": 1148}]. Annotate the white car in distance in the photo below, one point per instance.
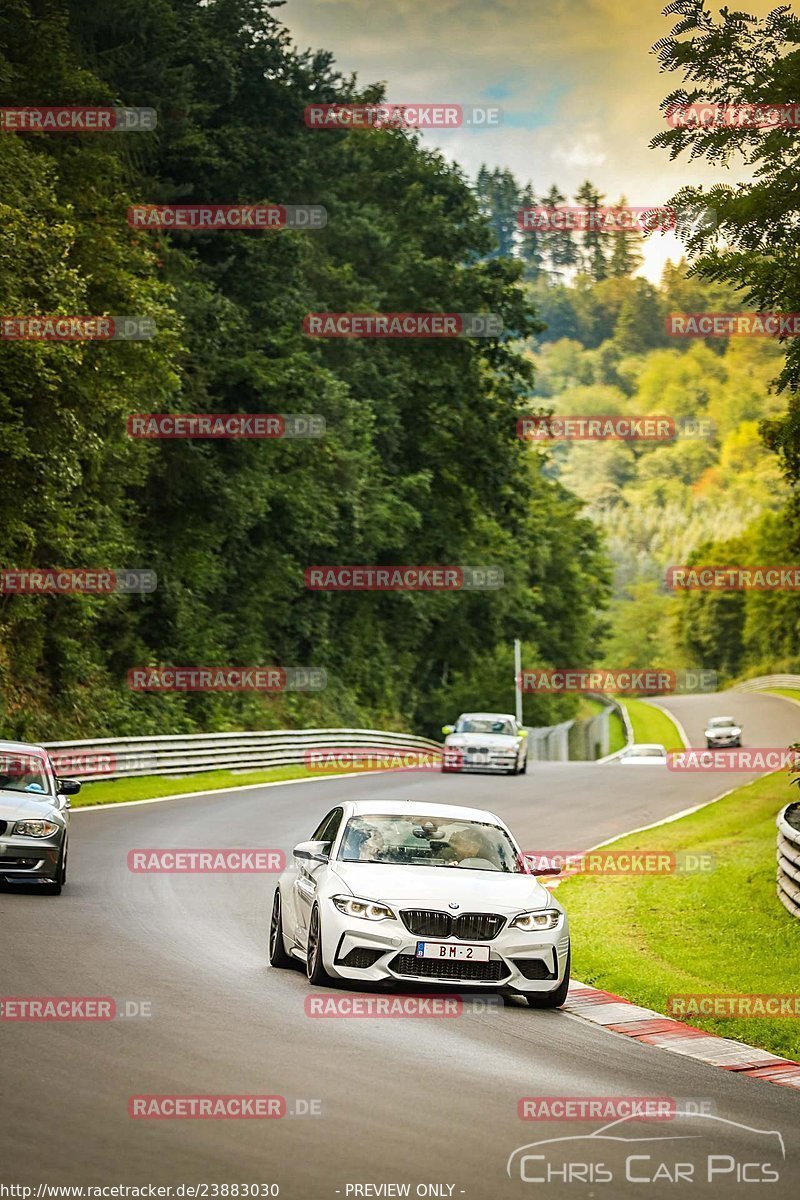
[
  {"x": 429, "y": 894},
  {"x": 644, "y": 754},
  {"x": 486, "y": 742}
]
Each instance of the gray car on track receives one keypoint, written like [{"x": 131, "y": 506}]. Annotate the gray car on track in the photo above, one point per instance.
[{"x": 34, "y": 818}]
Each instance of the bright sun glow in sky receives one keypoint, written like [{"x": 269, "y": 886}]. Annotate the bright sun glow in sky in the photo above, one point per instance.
[{"x": 576, "y": 81}]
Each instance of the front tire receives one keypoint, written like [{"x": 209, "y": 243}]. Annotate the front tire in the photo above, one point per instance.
[
  {"x": 277, "y": 949},
  {"x": 54, "y": 888},
  {"x": 315, "y": 969},
  {"x": 555, "y": 998}
]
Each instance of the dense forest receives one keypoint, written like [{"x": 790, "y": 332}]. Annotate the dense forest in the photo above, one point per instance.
[{"x": 420, "y": 463}]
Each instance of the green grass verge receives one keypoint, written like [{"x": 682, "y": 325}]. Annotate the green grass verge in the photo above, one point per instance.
[
  {"x": 589, "y": 707},
  {"x": 616, "y": 733},
  {"x": 652, "y": 725},
  {"x": 146, "y": 787},
  {"x": 723, "y": 931},
  {"x": 792, "y": 694}
]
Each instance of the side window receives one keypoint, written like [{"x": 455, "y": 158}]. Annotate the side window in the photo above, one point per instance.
[{"x": 329, "y": 826}]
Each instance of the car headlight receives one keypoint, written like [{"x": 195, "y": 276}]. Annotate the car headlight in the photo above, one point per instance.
[
  {"x": 370, "y": 910},
  {"x": 36, "y": 829},
  {"x": 529, "y": 921}
]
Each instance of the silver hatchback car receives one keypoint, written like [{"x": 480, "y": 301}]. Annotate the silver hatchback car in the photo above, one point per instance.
[{"x": 34, "y": 817}]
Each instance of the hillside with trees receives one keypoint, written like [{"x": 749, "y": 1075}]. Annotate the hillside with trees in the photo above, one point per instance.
[{"x": 716, "y": 493}]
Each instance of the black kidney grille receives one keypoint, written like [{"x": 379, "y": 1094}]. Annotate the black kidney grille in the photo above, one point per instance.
[
  {"x": 469, "y": 927},
  {"x": 426, "y": 922},
  {"x": 478, "y": 927}
]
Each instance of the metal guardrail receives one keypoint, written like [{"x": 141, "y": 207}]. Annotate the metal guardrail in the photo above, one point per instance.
[
  {"x": 188, "y": 754},
  {"x": 789, "y": 858},
  {"x": 549, "y": 743},
  {"x": 584, "y": 740},
  {"x": 764, "y": 682}
]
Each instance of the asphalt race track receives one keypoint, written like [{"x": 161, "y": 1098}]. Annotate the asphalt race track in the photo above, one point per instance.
[{"x": 402, "y": 1100}]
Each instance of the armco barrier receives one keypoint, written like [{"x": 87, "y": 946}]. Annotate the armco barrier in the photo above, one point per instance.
[
  {"x": 789, "y": 858},
  {"x": 585, "y": 740},
  {"x": 187, "y": 754},
  {"x": 765, "y": 682}
]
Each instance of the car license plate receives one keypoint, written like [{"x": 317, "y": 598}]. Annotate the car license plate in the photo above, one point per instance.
[{"x": 452, "y": 950}]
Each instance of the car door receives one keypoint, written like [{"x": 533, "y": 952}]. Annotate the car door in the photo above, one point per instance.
[{"x": 305, "y": 884}]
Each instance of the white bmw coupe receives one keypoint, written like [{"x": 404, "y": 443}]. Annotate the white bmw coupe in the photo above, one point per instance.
[{"x": 431, "y": 894}]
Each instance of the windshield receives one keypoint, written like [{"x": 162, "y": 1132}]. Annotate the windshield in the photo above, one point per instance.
[
  {"x": 418, "y": 841},
  {"x": 484, "y": 725},
  {"x": 720, "y": 722},
  {"x": 646, "y": 752},
  {"x": 23, "y": 773}
]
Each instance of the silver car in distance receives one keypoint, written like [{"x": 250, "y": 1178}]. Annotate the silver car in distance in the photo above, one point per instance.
[
  {"x": 723, "y": 731},
  {"x": 34, "y": 818},
  {"x": 431, "y": 894}
]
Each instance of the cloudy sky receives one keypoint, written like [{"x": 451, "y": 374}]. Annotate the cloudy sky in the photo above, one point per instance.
[{"x": 576, "y": 82}]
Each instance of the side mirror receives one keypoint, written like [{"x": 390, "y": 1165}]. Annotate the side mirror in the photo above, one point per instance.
[
  {"x": 68, "y": 787},
  {"x": 448, "y": 729},
  {"x": 311, "y": 851},
  {"x": 531, "y": 859}
]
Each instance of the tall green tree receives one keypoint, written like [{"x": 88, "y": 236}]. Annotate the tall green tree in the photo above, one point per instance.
[{"x": 751, "y": 243}]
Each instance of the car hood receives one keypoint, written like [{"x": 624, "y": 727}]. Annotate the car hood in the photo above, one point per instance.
[
  {"x": 723, "y": 731},
  {"x": 16, "y": 806},
  {"x": 437, "y": 887},
  {"x": 493, "y": 741}
]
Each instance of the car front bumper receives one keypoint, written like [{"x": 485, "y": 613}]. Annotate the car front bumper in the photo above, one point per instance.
[
  {"x": 30, "y": 858},
  {"x": 493, "y": 760},
  {"x": 518, "y": 961}
]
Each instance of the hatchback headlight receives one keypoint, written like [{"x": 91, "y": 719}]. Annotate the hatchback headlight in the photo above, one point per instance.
[
  {"x": 370, "y": 910},
  {"x": 36, "y": 829},
  {"x": 529, "y": 921}
]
